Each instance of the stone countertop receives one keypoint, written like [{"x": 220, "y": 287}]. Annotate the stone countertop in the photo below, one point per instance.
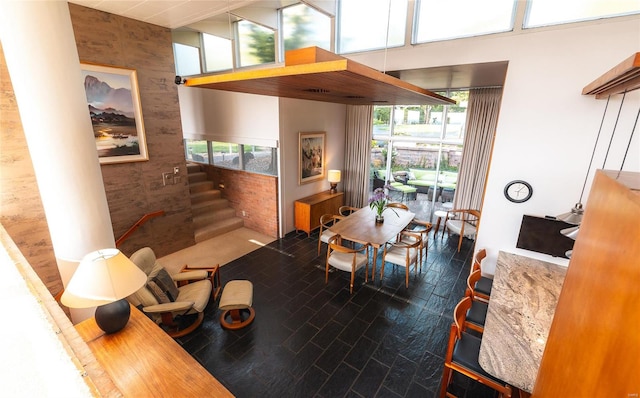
[{"x": 523, "y": 300}]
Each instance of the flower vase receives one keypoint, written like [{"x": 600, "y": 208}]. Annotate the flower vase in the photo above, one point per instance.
[{"x": 379, "y": 218}]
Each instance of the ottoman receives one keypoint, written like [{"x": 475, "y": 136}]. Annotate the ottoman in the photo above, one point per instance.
[{"x": 236, "y": 301}]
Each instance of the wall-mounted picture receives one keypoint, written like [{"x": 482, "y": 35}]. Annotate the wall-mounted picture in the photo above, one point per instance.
[
  {"x": 312, "y": 157},
  {"x": 116, "y": 116}
]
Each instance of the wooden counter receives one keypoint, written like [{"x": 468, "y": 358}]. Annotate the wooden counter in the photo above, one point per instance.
[{"x": 144, "y": 361}]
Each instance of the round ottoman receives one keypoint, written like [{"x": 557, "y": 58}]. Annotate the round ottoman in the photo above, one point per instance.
[{"x": 236, "y": 301}]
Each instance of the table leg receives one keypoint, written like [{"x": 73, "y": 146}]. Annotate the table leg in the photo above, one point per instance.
[{"x": 373, "y": 266}]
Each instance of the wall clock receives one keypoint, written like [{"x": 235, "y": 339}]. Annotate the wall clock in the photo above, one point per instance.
[{"x": 518, "y": 191}]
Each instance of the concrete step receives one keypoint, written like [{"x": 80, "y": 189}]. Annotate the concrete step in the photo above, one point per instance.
[
  {"x": 202, "y": 186},
  {"x": 193, "y": 168},
  {"x": 218, "y": 228},
  {"x": 205, "y": 196},
  {"x": 197, "y": 176},
  {"x": 209, "y": 206},
  {"x": 212, "y": 217}
]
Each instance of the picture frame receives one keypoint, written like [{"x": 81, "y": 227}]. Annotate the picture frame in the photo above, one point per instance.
[
  {"x": 113, "y": 102},
  {"x": 312, "y": 157}
]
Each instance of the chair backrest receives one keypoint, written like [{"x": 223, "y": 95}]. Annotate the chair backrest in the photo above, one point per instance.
[
  {"x": 460, "y": 315},
  {"x": 477, "y": 260},
  {"x": 327, "y": 220},
  {"x": 145, "y": 259},
  {"x": 472, "y": 279},
  {"x": 398, "y": 205},
  {"x": 347, "y": 210}
]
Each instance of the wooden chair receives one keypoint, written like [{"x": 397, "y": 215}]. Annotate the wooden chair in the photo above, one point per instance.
[
  {"x": 326, "y": 222},
  {"x": 464, "y": 222},
  {"x": 347, "y": 210},
  {"x": 423, "y": 228},
  {"x": 404, "y": 252},
  {"x": 478, "y": 311},
  {"x": 346, "y": 259},
  {"x": 398, "y": 205},
  {"x": 482, "y": 288},
  {"x": 462, "y": 355}
]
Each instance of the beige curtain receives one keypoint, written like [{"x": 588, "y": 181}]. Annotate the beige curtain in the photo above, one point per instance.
[
  {"x": 482, "y": 119},
  {"x": 357, "y": 154}
]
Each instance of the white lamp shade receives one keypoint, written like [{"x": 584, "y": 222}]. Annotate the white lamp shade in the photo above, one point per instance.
[
  {"x": 103, "y": 276},
  {"x": 334, "y": 175}
]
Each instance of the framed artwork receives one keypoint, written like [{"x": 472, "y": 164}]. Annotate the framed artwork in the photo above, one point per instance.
[
  {"x": 312, "y": 157},
  {"x": 116, "y": 116}
]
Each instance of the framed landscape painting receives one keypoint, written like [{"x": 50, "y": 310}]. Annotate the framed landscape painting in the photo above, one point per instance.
[
  {"x": 113, "y": 103},
  {"x": 312, "y": 157}
]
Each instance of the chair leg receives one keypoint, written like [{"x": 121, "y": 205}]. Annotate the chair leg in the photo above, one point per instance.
[
  {"x": 460, "y": 243},
  {"x": 446, "y": 379}
]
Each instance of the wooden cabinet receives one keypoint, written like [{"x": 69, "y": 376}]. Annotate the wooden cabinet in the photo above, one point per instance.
[
  {"x": 308, "y": 210},
  {"x": 593, "y": 348}
]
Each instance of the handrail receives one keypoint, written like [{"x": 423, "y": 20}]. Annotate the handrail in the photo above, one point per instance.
[{"x": 138, "y": 223}]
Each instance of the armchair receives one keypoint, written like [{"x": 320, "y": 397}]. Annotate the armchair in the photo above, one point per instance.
[
  {"x": 168, "y": 299},
  {"x": 463, "y": 222}
]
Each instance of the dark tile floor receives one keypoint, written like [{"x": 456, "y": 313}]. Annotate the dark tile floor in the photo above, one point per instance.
[{"x": 311, "y": 339}]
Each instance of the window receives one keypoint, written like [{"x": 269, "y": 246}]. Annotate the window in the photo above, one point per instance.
[
  {"x": 255, "y": 159},
  {"x": 187, "y": 59},
  {"x": 217, "y": 53},
  {"x": 256, "y": 44},
  {"x": 440, "y": 20},
  {"x": 302, "y": 26},
  {"x": 420, "y": 146},
  {"x": 364, "y": 27},
  {"x": 550, "y": 12}
]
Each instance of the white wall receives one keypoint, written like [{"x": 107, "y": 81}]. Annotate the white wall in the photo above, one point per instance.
[
  {"x": 547, "y": 129},
  {"x": 229, "y": 117},
  {"x": 306, "y": 116}
]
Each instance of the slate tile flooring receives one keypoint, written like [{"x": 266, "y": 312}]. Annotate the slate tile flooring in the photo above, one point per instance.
[{"x": 311, "y": 339}]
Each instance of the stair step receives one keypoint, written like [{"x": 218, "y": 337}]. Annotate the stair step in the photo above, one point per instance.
[
  {"x": 197, "y": 176},
  {"x": 193, "y": 168},
  {"x": 206, "y": 196},
  {"x": 209, "y": 206},
  {"x": 218, "y": 228},
  {"x": 212, "y": 217},
  {"x": 197, "y": 187}
]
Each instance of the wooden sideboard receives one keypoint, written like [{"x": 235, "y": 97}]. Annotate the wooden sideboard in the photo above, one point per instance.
[
  {"x": 143, "y": 361},
  {"x": 309, "y": 210}
]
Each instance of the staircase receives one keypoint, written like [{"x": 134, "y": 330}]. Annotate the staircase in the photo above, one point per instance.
[{"x": 212, "y": 215}]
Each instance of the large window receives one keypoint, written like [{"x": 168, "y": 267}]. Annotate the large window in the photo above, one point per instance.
[
  {"x": 187, "y": 59},
  {"x": 552, "y": 12},
  {"x": 419, "y": 147},
  {"x": 441, "y": 20},
  {"x": 302, "y": 26},
  {"x": 371, "y": 25},
  {"x": 218, "y": 54},
  {"x": 252, "y": 158},
  {"x": 256, "y": 44}
]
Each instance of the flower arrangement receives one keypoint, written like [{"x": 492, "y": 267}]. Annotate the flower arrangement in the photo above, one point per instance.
[{"x": 378, "y": 202}]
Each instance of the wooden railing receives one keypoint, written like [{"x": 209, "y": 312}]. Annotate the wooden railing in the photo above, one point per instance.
[{"x": 137, "y": 225}]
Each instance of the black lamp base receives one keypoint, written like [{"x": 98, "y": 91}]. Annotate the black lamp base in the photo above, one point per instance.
[
  {"x": 334, "y": 186},
  {"x": 114, "y": 316}
]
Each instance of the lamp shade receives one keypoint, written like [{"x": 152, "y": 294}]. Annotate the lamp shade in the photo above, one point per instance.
[
  {"x": 103, "y": 276},
  {"x": 334, "y": 175}
]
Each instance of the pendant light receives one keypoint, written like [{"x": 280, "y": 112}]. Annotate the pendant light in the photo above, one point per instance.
[{"x": 574, "y": 216}]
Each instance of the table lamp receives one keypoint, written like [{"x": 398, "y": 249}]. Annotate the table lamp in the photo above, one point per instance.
[
  {"x": 334, "y": 179},
  {"x": 104, "y": 279}
]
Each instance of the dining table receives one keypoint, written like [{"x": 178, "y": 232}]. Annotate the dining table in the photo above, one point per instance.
[
  {"x": 521, "y": 308},
  {"x": 361, "y": 227}
]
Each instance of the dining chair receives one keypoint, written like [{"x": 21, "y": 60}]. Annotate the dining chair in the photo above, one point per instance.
[
  {"x": 398, "y": 205},
  {"x": 404, "y": 252},
  {"x": 478, "y": 311},
  {"x": 462, "y": 355},
  {"x": 326, "y": 222},
  {"x": 483, "y": 286},
  {"x": 463, "y": 222},
  {"x": 346, "y": 259},
  {"x": 423, "y": 228},
  {"x": 347, "y": 210}
]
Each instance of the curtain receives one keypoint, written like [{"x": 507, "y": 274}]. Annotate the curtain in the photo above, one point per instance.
[
  {"x": 357, "y": 154},
  {"x": 482, "y": 119}
]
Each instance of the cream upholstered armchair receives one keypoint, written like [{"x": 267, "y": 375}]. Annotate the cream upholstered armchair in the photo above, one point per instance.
[
  {"x": 167, "y": 303},
  {"x": 462, "y": 222}
]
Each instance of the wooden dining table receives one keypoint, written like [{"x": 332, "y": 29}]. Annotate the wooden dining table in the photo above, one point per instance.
[
  {"x": 521, "y": 308},
  {"x": 361, "y": 227}
]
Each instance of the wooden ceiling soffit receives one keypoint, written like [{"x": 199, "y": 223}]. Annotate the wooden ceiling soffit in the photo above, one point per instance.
[
  {"x": 623, "y": 77},
  {"x": 318, "y": 75}
]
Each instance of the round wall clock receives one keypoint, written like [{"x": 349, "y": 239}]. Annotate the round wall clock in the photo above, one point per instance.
[{"x": 518, "y": 191}]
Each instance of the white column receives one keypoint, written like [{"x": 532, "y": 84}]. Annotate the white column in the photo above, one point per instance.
[{"x": 42, "y": 58}]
